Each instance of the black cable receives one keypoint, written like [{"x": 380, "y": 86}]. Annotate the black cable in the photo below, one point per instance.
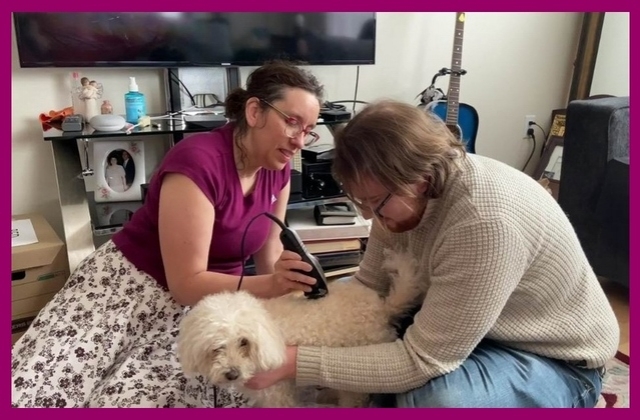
[
  {"x": 328, "y": 106},
  {"x": 540, "y": 127},
  {"x": 355, "y": 95},
  {"x": 244, "y": 236},
  {"x": 533, "y": 137},
  {"x": 193, "y": 97},
  {"x": 543, "y": 132},
  {"x": 348, "y": 101},
  {"x": 217, "y": 100},
  {"x": 177, "y": 79}
]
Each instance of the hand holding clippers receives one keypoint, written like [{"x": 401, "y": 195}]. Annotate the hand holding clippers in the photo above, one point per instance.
[{"x": 292, "y": 242}]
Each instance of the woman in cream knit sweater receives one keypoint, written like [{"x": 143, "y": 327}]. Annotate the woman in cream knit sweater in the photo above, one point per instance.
[{"x": 513, "y": 314}]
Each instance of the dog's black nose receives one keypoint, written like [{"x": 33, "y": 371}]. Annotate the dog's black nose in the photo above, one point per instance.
[{"x": 232, "y": 374}]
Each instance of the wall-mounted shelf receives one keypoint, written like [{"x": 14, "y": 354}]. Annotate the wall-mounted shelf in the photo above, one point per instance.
[
  {"x": 74, "y": 205},
  {"x": 81, "y": 234}
]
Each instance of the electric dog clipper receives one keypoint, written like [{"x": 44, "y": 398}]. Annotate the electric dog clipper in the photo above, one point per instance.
[{"x": 292, "y": 242}]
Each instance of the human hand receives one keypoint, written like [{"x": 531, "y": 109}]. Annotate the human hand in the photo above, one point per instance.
[
  {"x": 262, "y": 380},
  {"x": 286, "y": 280}
]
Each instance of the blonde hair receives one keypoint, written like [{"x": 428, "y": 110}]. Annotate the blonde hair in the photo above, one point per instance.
[{"x": 398, "y": 145}]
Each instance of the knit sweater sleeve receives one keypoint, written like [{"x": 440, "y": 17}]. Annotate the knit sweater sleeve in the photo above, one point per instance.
[
  {"x": 473, "y": 270},
  {"x": 369, "y": 271}
]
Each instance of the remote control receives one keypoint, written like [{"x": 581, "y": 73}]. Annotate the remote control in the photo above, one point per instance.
[{"x": 292, "y": 242}]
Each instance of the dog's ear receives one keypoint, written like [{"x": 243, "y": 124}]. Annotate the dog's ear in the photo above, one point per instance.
[
  {"x": 268, "y": 348},
  {"x": 188, "y": 355},
  {"x": 194, "y": 344}
]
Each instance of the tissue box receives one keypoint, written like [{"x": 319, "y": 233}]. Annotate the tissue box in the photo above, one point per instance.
[{"x": 38, "y": 271}]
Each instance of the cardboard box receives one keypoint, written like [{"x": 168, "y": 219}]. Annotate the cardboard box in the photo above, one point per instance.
[
  {"x": 20, "y": 325},
  {"x": 16, "y": 337},
  {"x": 38, "y": 270}
]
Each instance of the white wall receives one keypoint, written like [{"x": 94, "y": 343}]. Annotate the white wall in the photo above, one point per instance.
[
  {"x": 611, "y": 74},
  {"x": 518, "y": 64}
]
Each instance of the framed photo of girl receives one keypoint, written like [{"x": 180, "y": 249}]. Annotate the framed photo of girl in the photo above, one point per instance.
[{"x": 119, "y": 170}]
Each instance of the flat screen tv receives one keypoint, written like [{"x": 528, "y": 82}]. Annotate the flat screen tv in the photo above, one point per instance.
[{"x": 181, "y": 39}]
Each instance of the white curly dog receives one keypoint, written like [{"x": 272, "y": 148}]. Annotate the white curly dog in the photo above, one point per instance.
[{"x": 228, "y": 337}]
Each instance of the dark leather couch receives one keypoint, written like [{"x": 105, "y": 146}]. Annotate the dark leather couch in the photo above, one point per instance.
[{"x": 594, "y": 186}]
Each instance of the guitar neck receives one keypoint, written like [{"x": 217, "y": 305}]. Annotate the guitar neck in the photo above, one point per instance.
[{"x": 453, "y": 95}]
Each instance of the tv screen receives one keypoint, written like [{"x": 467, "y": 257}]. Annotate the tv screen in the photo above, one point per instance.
[{"x": 181, "y": 39}]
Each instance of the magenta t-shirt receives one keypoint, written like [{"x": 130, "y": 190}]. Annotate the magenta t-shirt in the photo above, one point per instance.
[{"x": 207, "y": 159}]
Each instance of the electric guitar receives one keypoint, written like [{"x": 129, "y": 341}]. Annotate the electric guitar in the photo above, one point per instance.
[{"x": 462, "y": 119}]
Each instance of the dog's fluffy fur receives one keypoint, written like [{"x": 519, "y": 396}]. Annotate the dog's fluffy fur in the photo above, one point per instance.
[{"x": 228, "y": 337}]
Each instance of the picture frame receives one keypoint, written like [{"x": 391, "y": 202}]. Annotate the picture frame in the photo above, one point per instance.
[
  {"x": 116, "y": 214},
  {"x": 550, "y": 165},
  {"x": 119, "y": 170},
  {"x": 558, "y": 123}
]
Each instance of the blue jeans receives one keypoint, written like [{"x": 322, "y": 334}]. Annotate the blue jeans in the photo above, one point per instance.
[{"x": 497, "y": 376}]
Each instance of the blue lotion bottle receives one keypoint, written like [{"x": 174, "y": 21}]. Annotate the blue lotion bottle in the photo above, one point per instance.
[{"x": 134, "y": 103}]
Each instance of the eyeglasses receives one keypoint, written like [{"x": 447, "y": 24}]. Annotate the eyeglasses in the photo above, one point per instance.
[
  {"x": 375, "y": 210},
  {"x": 293, "y": 127}
]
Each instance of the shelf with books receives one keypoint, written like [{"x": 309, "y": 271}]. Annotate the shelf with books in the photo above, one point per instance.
[
  {"x": 302, "y": 220},
  {"x": 301, "y": 203}
]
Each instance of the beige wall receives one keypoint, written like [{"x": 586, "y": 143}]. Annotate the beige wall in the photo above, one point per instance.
[
  {"x": 518, "y": 64},
  {"x": 611, "y": 74}
]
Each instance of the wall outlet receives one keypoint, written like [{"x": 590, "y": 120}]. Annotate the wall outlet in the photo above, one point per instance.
[{"x": 528, "y": 118}]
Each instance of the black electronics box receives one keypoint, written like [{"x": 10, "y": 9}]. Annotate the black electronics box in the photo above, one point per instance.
[
  {"x": 205, "y": 120},
  {"x": 296, "y": 182},
  {"x": 318, "y": 181},
  {"x": 318, "y": 153},
  {"x": 335, "y": 115}
]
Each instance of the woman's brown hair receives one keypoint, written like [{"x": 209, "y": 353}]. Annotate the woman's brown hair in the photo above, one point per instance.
[
  {"x": 269, "y": 83},
  {"x": 398, "y": 145}
]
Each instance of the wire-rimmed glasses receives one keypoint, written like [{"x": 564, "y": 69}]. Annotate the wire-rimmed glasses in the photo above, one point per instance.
[
  {"x": 375, "y": 210},
  {"x": 293, "y": 127}
]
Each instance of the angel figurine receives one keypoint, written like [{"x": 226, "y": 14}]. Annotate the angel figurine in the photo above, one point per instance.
[{"x": 90, "y": 92}]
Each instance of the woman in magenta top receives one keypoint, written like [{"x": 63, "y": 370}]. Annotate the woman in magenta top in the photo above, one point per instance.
[{"x": 107, "y": 338}]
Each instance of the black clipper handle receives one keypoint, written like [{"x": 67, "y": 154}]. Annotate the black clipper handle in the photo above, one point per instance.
[{"x": 292, "y": 242}]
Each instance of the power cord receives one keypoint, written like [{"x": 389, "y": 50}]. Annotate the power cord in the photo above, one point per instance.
[
  {"x": 530, "y": 134},
  {"x": 177, "y": 79},
  {"x": 146, "y": 120},
  {"x": 329, "y": 106},
  {"x": 199, "y": 99},
  {"x": 348, "y": 101},
  {"x": 202, "y": 98},
  {"x": 539, "y": 126},
  {"x": 355, "y": 95},
  {"x": 543, "y": 132},
  {"x": 244, "y": 236},
  {"x": 337, "y": 105}
]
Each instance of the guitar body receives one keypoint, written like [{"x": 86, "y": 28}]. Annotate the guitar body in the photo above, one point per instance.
[
  {"x": 462, "y": 119},
  {"x": 467, "y": 127}
]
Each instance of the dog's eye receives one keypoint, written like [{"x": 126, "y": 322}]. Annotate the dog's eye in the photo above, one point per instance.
[
  {"x": 215, "y": 352},
  {"x": 244, "y": 342}
]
